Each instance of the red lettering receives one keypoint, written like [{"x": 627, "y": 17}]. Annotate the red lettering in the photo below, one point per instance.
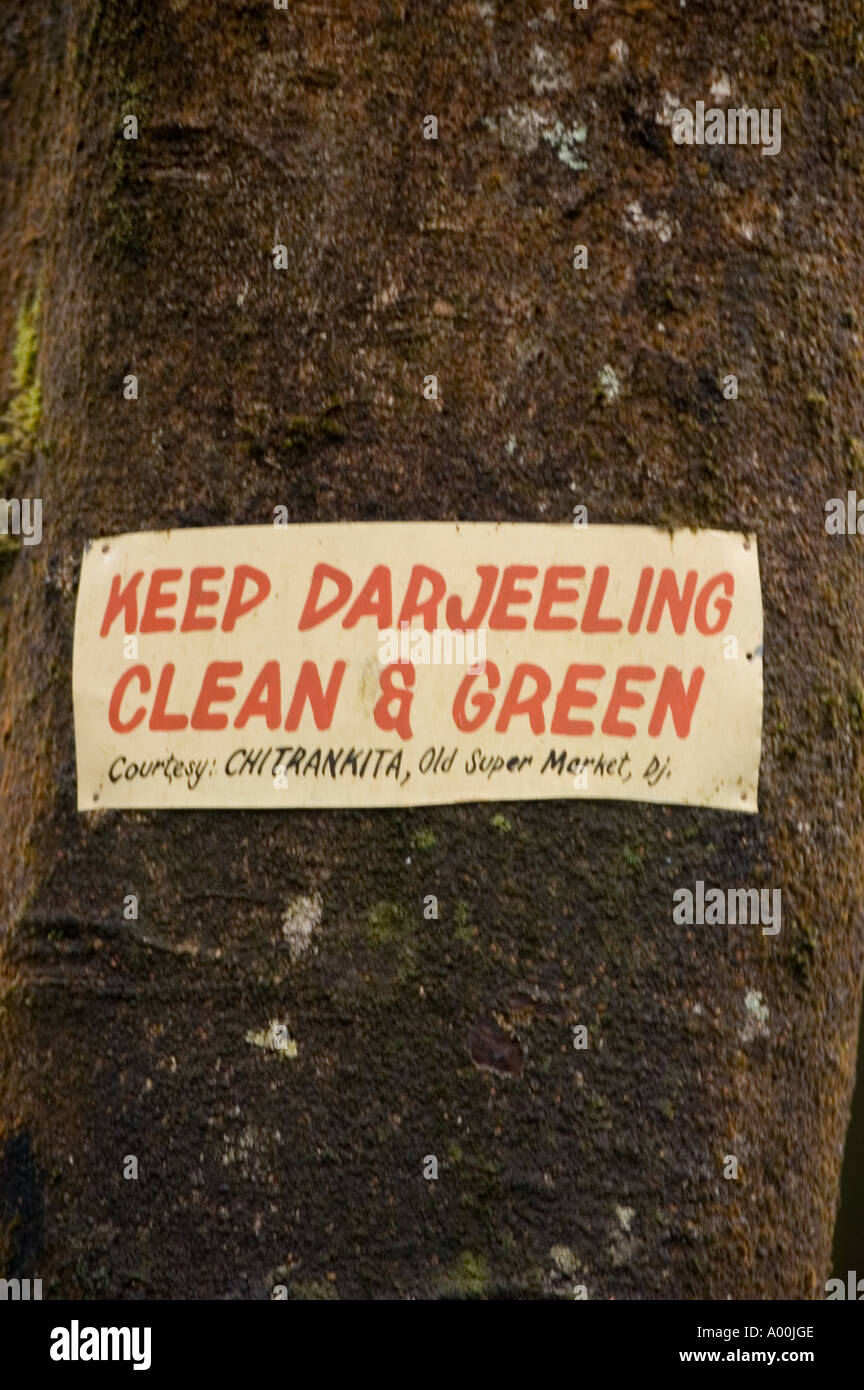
[
  {"x": 641, "y": 598},
  {"x": 156, "y": 599},
  {"x": 678, "y": 603},
  {"x": 428, "y": 609},
  {"x": 532, "y": 705},
  {"x": 125, "y": 600},
  {"x": 679, "y": 702},
  {"x": 723, "y": 606},
  {"x": 622, "y": 698},
  {"x": 264, "y": 698},
  {"x": 117, "y": 698},
  {"x": 481, "y": 701},
  {"x": 571, "y": 697},
  {"x": 488, "y": 577},
  {"x": 159, "y": 717},
  {"x": 507, "y": 594},
  {"x": 322, "y": 702},
  {"x": 311, "y": 616},
  {"x": 553, "y": 592},
  {"x": 237, "y": 606},
  {"x": 375, "y": 600},
  {"x": 592, "y": 621},
  {"x": 391, "y": 695},
  {"x": 211, "y": 692},
  {"x": 199, "y": 596}
]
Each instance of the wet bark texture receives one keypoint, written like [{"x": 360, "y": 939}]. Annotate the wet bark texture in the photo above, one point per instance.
[{"x": 303, "y": 387}]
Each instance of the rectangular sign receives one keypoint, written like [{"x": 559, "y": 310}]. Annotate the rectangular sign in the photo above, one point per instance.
[{"x": 414, "y": 663}]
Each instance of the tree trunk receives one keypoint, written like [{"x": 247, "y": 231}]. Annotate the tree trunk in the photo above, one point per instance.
[{"x": 411, "y": 256}]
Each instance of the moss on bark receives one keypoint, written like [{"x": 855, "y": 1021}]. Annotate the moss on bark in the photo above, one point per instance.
[{"x": 452, "y": 1037}]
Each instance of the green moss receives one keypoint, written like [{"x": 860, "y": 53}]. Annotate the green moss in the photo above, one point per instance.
[
  {"x": 386, "y": 924},
  {"x": 26, "y": 343},
  {"x": 464, "y": 930},
  {"x": 314, "y": 1290},
  {"x": 467, "y": 1277},
  {"x": 127, "y": 230},
  {"x": 802, "y": 951},
  {"x": 501, "y": 824},
  {"x": 830, "y": 708},
  {"x": 9, "y": 545},
  {"x": 24, "y": 411},
  {"x": 423, "y": 839},
  {"x": 855, "y": 700},
  {"x": 817, "y": 405},
  {"x": 389, "y": 931},
  {"x": 566, "y": 1259},
  {"x": 304, "y": 431},
  {"x": 854, "y": 457}
]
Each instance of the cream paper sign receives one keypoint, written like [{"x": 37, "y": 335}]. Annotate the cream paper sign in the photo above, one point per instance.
[{"x": 416, "y": 663}]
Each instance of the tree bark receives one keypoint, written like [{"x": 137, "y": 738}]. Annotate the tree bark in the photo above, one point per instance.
[{"x": 409, "y": 256}]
